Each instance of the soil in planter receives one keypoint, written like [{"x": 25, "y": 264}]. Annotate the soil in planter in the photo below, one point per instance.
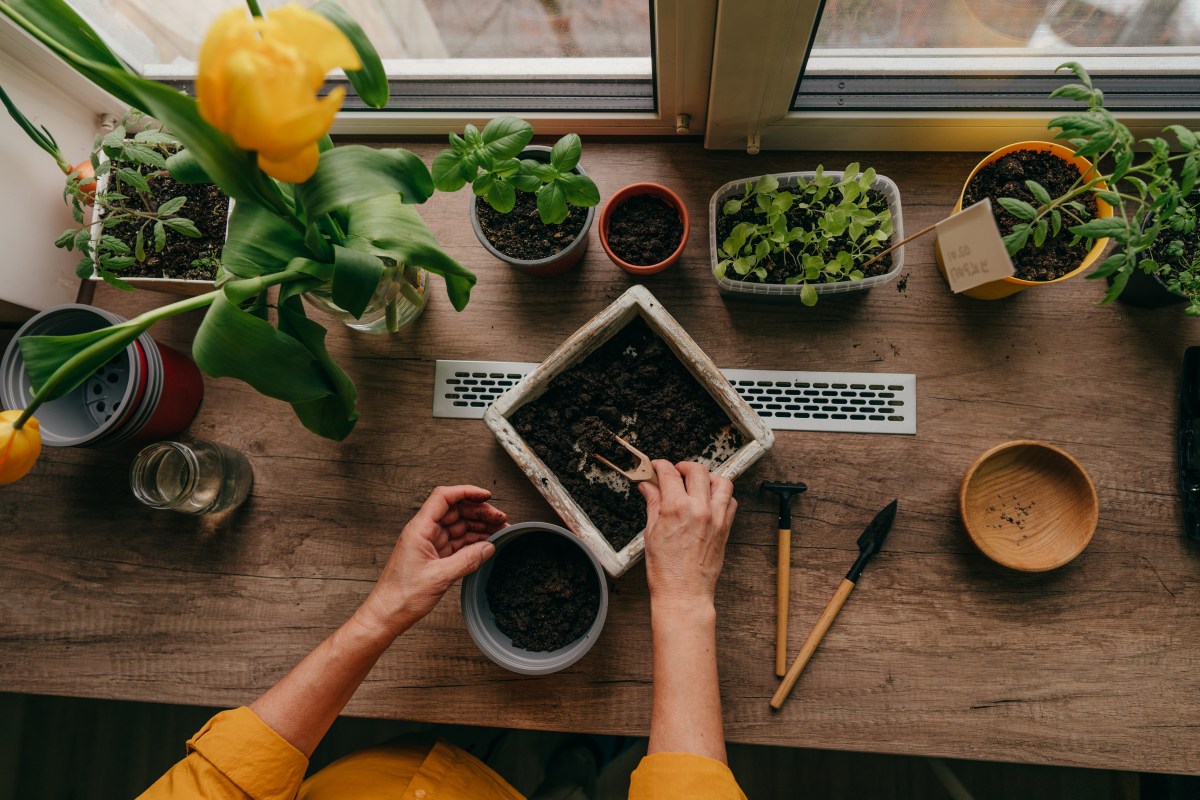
[
  {"x": 183, "y": 257},
  {"x": 1005, "y": 177},
  {"x": 521, "y": 233},
  {"x": 644, "y": 230},
  {"x": 543, "y": 592},
  {"x": 635, "y": 387},
  {"x": 781, "y": 266},
  {"x": 1191, "y": 249}
]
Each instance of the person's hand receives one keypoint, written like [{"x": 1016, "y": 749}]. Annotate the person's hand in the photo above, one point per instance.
[
  {"x": 688, "y": 519},
  {"x": 444, "y": 542}
]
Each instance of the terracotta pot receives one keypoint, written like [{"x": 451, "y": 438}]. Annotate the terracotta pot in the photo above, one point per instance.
[
  {"x": 560, "y": 262},
  {"x": 643, "y": 190},
  {"x": 1008, "y": 286}
]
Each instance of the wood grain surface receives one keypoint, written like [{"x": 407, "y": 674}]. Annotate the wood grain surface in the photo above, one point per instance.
[{"x": 938, "y": 652}]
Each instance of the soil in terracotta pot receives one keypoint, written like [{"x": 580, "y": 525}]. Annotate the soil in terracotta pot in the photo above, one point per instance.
[
  {"x": 521, "y": 233},
  {"x": 1005, "y": 177},
  {"x": 635, "y": 387},
  {"x": 183, "y": 257},
  {"x": 543, "y": 592},
  {"x": 781, "y": 266},
  {"x": 644, "y": 230}
]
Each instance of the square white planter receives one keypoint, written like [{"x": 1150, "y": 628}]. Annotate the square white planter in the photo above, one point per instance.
[{"x": 637, "y": 301}]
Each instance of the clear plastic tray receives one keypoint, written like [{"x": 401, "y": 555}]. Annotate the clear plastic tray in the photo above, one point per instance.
[{"x": 788, "y": 179}]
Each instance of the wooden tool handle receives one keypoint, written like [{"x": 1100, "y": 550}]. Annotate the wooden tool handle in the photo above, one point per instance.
[
  {"x": 784, "y": 571},
  {"x": 810, "y": 644}
]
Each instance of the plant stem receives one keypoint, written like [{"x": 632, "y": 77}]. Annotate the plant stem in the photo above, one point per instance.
[
  {"x": 254, "y": 9},
  {"x": 900, "y": 243}
]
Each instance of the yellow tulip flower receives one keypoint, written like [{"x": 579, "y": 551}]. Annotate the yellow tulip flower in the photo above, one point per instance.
[
  {"x": 258, "y": 78},
  {"x": 19, "y": 447}
]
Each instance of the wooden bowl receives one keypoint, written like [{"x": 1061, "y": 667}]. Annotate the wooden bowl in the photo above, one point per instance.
[{"x": 1028, "y": 505}]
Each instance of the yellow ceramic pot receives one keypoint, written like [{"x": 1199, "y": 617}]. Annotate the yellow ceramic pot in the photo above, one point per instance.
[{"x": 1006, "y": 286}]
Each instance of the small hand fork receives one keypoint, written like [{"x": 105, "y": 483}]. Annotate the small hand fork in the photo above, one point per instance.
[{"x": 644, "y": 471}]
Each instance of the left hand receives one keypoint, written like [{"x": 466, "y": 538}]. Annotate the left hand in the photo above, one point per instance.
[{"x": 445, "y": 541}]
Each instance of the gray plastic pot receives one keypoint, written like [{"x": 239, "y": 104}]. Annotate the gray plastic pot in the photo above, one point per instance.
[
  {"x": 564, "y": 259},
  {"x": 481, "y": 625}
]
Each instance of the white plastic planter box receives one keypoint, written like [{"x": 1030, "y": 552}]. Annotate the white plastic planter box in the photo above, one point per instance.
[
  {"x": 787, "y": 180},
  {"x": 757, "y": 437}
]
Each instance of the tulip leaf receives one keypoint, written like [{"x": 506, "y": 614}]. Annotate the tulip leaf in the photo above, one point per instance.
[
  {"x": 370, "y": 82},
  {"x": 352, "y": 173},
  {"x": 234, "y": 343},
  {"x": 333, "y": 416},
  {"x": 356, "y": 276},
  {"x": 386, "y": 226},
  {"x": 259, "y": 241},
  {"x": 44, "y": 355},
  {"x": 185, "y": 168}
]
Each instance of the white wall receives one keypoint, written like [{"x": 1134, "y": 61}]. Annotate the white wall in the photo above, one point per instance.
[{"x": 33, "y": 273}]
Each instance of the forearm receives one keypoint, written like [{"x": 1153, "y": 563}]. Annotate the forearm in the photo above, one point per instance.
[
  {"x": 303, "y": 705},
  {"x": 686, "y": 715}
]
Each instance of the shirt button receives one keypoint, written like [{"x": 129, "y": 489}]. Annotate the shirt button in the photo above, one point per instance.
[{"x": 420, "y": 793}]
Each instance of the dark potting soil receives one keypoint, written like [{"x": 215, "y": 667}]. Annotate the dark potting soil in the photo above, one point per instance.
[
  {"x": 1191, "y": 248},
  {"x": 779, "y": 266},
  {"x": 644, "y": 230},
  {"x": 183, "y": 257},
  {"x": 521, "y": 233},
  {"x": 635, "y": 387},
  {"x": 543, "y": 592},
  {"x": 1005, "y": 177}
]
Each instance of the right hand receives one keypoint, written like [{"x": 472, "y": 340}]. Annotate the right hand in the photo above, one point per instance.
[{"x": 688, "y": 519}]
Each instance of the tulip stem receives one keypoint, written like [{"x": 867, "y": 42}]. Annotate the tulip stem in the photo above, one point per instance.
[{"x": 254, "y": 9}]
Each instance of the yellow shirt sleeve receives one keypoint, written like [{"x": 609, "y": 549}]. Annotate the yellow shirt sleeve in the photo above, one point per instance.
[
  {"x": 235, "y": 756},
  {"x": 669, "y": 776}
]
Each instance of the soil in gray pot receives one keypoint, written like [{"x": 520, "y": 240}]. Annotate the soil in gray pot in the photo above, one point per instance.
[
  {"x": 521, "y": 234},
  {"x": 1005, "y": 177},
  {"x": 635, "y": 387},
  {"x": 543, "y": 592}
]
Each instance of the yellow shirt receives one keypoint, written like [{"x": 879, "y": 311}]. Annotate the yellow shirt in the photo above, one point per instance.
[{"x": 237, "y": 756}]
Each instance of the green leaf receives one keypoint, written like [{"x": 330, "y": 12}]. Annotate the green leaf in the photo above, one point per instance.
[
  {"x": 1120, "y": 279},
  {"x": 1018, "y": 208},
  {"x": 1108, "y": 196},
  {"x": 767, "y": 183},
  {"x": 448, "y": 175},
  {"x": 144, "y": 155},
  {"x": 332, "y": 417},
  {"x": 386, "y": 226},
  {"x": 185, "y": 168},
  {"x": 581, "y": 191},
  {"x": 113, "y": 244},
  {"x": 233, "y": 343},
  {"x": 1039, "y": 192},
  {"x": 1072, "y": 91},
  {"x": 1077, "y": 70},
  {"x": 808, "y": 295},
  {"x": 85, "y": 268},
  {"x": 1186, "y": 138},
  {"x": 1040, "y": 231},
  {"x": 1015, "y": 241},
  {"x": 172, "y": 205},
  {"x": 370, "y": 82},
  {"x": 506, "y": 137},
  {"x": 133, "y": 178},
  {"x": 1100, "y": 228},
  {"x": 258, "y": 242},
  {"x": 731, "y": 207},
  {"x": 84, "y": 352},
  {"x": 152, "y": 137},
  {"x": 1055, "y": 222},
  {"x": 552, "y": 204},
  {"x": 566, "y": 152},
  {"x": 160, "y": 236},
  {"x": 183, "y": 226},
  {"x": 353, "y": 173},
  {"x": 1187, "y": 175},
  {"x": 139, "y": 245},
  {"x": 1109, "y": 265},
  {"x": 356, "y": 276},
  {"x": 67, "y": 239},
  {"x": 501, "y": 195}
]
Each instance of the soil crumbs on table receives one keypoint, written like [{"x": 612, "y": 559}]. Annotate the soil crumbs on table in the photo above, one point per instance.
[
  {"x": 1006, "y": 177},
  {"x": 521, "y": 233},
  {"x": 543, "y": 592},
  {"x": 644, "y": 230},
  {"x": 785, "y": 264},
  {"x": 183, "y": 257},
  {"x": 633, "y": 386}
]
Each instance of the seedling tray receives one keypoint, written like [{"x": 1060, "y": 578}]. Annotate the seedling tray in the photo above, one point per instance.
[{"x": 756, "y": 436}]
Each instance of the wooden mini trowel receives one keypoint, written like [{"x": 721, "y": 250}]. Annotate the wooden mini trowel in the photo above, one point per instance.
[{"x": 870, "y": 543}]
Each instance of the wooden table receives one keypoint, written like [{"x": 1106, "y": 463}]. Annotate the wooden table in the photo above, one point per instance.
[{"x": 939, "y": 652}]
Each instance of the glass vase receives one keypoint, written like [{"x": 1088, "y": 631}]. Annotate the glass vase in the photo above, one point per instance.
[{"x": 399, "y": 299}]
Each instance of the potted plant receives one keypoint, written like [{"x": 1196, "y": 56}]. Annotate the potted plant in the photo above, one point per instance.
[
  {"x": 308, "y": 215},
  {"x": 1174, "y": 274},
  {"x": 538, "y": 605},
  {"x": 644, "y": 228},
  {"x": 803, "y": 234},
  {"x": 534, "y": 205}
]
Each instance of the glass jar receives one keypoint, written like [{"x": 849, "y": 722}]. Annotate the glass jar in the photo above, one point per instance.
[
  {"x": 194, "y": 478},
  {"x": 399, "y": 299}
]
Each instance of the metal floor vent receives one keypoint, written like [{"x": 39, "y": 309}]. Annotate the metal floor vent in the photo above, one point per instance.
[{"x": 851, "y": 402}]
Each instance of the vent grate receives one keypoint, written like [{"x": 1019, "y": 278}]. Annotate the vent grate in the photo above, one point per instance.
[{"x": 850, "y": 402}]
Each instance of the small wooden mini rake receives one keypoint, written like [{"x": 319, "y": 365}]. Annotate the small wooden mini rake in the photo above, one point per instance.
[{"x": 644, "y": 471}]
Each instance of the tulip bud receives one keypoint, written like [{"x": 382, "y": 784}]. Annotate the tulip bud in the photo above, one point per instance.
[{"x": 19, "y": 447}]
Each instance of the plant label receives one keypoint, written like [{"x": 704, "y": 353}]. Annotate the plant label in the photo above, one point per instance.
[{"x": 971, "y": 248}]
